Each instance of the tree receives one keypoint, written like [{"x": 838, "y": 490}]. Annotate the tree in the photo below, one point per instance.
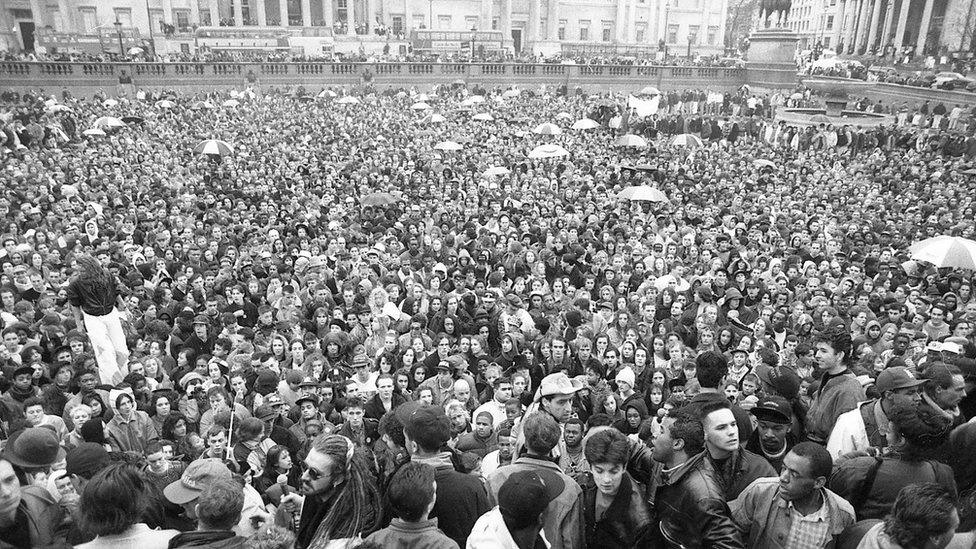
[{"x": 739, "y": 21}]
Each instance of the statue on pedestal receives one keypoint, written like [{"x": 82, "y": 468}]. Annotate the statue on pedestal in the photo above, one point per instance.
[{"x": 778, "y": 9}]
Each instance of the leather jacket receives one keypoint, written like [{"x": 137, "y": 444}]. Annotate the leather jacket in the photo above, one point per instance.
[{"x": 688, "y": 503}]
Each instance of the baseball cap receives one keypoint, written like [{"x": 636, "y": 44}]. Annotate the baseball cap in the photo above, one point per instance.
[
  {"x": 558, "y": 384},
  {"x": 525, "y": 494},
  {"x": 896, "y": 378},
  {"x": 951, "y": 347},
  {"x": 773, "y": 408},
  {"x": 198, "y": 475}
]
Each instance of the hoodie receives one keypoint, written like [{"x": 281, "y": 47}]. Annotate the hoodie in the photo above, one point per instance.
[
  {"x": 623, "y": 425},
  {"x": 490, "y": 532}
]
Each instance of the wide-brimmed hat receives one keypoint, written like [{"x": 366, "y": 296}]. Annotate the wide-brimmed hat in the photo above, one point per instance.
[
  {"x": 33, "y": 447},
  {"x": 559, "y": 384}
]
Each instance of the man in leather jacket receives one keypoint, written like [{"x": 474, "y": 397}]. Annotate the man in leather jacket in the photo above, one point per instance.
[{"x": 688, "y": 501}]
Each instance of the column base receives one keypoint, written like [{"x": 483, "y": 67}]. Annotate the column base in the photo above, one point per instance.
[{"x": 771, "y": 55}]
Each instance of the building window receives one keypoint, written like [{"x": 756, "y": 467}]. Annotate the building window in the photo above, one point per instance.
[
  {"x": 156, "y": 20},
  {"x": 561, "y": 33},
  {"x": 444, "y": 22},
  {"x": 397, "y": 24},
  {"x": 471, "y": 22},
  {"x": 494, "y": 23},
  {"x": 182, "y": 19},
  {"x": 639, "y": 34},
  {"x": 826, "y": 41},
  {"x": 672, "y": 34},
  {"x": 606, "y": 34},
  {"x": 419, "y": 22},
  {"x": 124, "y": 16},
  {"x": 205, "y": 20},
  {"x": 712, "y": 35},
  {"x": 584, "y": 27},
  {"x": 693, "y": 34},
  {"x": 830, "y": 22}
]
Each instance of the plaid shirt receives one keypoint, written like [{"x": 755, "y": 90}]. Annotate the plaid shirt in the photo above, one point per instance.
[{"x": 808, "y": 532}]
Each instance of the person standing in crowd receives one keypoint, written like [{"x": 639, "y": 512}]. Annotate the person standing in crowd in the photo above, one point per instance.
[
  {"x": 772, "y": 438},
  {"x": 867, "y": 426},
  {"x": 112, "y": 507},
  {"x": 923, "y": 515},
  {"x": 339, "y": 499},
  {"x": 615, "y": 510},
  {"x": 412, "y": 493},
  {"x": 218, "y": 510},
  {"x": 555, "y": 397},
  {"x": 29, "y": 515},
  {"x": 838, "y": 391},
  {"x": 794, "y": 510},
  {"x": 735, "y": 467},
  {"x": 96, "y": 302},
  {"x": 563, "y": 519},
  {"x": 518, "y": 521},
  {"x": 461, "y": 498}
]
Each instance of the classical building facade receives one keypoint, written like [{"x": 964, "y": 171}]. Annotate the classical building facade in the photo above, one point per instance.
[
  {"x": 598, "y": 26},
  {"x": 929, "y": 27}
]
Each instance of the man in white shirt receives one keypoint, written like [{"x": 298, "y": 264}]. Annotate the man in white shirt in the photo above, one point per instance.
[
  {"x": 500, "y": 457},
  {"x": 496, "y": 406}
]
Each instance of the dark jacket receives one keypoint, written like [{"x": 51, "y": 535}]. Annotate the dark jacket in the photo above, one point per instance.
[
  {"x": 739, "y": 471},
  {"x": 46, "y": 521},
  {"x": 688, "y": 501},
  {"x": 211, "y": 539},
  {"x": 461, "y": 499},
  {"x": 374, "y": 408},
  {"x": 626, "y": 522}
]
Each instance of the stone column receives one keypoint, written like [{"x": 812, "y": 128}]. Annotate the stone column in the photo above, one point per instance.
[
  {"x": 306, "y": 13},
  {"x": 194, "y": 13},
  {"x": 371, "y": 15},
  {"x": 889, "y": 20},
  {"x": 532, "y": 32},
  {"x": 873, "y": 29},
  {"x": 722, "y": 28},
  {"x": 838, "y": 23},
  {"x": 505, "y": 19},
  {"x": 167, "y": 7},
  {"x": 283, "y": 12},
  {"x": 923, "y": 31},
  {"x": 552, "y": 33},
  {"x": 850, "y": 17},
  {"x": 262, "y": 17},
  {"x": 327, "y": 14},
  {"x": 351, "y": 17},
  {"x": 238, "y": 13},
  {"x": 631, "y": 21},
  {"x": 902, "y": 23},
  {"x": 620, "y": 22},
  {"x": 484, "y": 19},
  {"x": 214, "y": 13},
  {"x": 862, "y": 25}
]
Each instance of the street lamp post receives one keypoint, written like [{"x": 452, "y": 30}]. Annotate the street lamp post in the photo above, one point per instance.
[
  {"x": 118, "y": 32},
  {"x": 690, "y": 38},
  {"x": 152, "y": 40}
]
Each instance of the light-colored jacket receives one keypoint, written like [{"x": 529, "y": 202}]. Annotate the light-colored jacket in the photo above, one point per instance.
[
  {"x": 764, "y": 517},
  {"x": 138, "y": 535},
  {"x": 849, "y": 433},
  {"x": 490, "y": 532},
  {"x": 563, "y": 518}
]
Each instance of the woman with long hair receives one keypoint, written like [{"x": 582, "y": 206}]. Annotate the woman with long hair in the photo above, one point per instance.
[
  {"x": 340, "y": 500},
  {"x": 278, "y": 462}
]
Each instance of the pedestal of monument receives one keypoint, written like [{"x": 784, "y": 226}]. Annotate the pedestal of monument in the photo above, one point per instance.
[{"x": 771, "y": 58}]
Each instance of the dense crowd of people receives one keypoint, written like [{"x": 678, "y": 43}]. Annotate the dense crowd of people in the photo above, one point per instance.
[{"x": 361, "y": 326}]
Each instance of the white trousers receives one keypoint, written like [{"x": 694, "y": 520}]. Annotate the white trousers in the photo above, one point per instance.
[{"x": 108, "y": 340}]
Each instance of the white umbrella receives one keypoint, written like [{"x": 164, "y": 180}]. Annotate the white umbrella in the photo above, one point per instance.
[
  {"x": 231, "y": 103},
  {"x": 649, "y": 90},
  {"x": 548, "y": 150},
  {"x": 687, "y": 140},
  {"x": 763, "y": 163},
  {"x": 642, "y": 193},
  {"x": 421, "y": 106},
  {"x": 349, "y": 100},
  {"x": 59, "y": 108},
  {"x": 135, "y": 50},
  {"x": 422, "y": 97},
  {"x": 93, "y": 132},
  {"x": 165, "y": 104},
  {"x": 109, "y": 103},
  {"x": 473, "y": 100},
  {"x": 946, "y": 251},
  {"x": 547, "y": 128},
  {"x": 435, "y": 119},
  {"x": 585, "y": 124},
  {"x": 213, "y": 146},
  {"x": 109, "y": 122},
  {"x": 495, "y": 171},
  {"x": 448, "y": 146},
  {"x": 564, "y": 116},
  {"x": 615, "y": 122},
  {"x": 508, "y": 94},
  {"x": 484, "y": 117},
  {"x": 328, "y": 93},
  {"x": 630, "y": 140}
]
